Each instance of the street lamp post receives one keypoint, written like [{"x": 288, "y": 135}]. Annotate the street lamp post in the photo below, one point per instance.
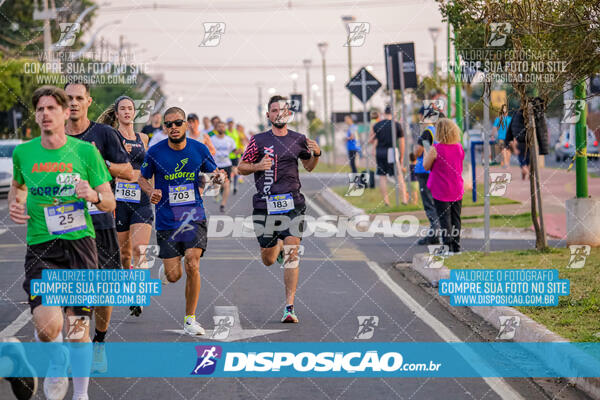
[
  {"x": 331, "y": 80},
  {"x": 294, "y": 76},
  {"x": 261, "y": 115},
  {"x": 307, "y": 63},
  {"x": 346, "y": 19},
  {"x": 323, "y": 49},
  {"x": 435, "y": 33}
]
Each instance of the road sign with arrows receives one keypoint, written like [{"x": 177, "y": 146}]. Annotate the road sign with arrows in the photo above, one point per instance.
[{"x": 363, "y": 85}]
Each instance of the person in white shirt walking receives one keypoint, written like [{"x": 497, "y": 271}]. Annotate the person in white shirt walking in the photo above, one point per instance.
[{"x": 224, "y": 146}]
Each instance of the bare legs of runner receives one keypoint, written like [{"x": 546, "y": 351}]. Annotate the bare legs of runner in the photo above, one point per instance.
[
  {"x": 192, "y": 269},
  {"x": 290, "y": 275}
]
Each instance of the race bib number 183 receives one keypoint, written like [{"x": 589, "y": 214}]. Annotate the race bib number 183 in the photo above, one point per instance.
[{"x": 280, "y": 203}]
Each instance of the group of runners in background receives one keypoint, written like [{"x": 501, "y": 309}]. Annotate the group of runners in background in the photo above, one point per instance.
[{"x": 90, "y": 193}]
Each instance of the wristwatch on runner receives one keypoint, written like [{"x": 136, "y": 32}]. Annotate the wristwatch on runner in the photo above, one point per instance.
[
  {"x": 99, "y": 198},
  {"x": 316, "y": 155},
  {"x": 108, "y": 163}
]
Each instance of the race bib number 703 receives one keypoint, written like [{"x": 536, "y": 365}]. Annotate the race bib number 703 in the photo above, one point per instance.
[{"x": 182, "y": 194}]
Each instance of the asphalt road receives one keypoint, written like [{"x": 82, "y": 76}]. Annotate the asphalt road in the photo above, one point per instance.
[{"x": 340, "y": 279}]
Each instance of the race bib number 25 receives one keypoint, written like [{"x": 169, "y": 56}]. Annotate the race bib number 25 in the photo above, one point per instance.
[{"x": 65, "y": 218}]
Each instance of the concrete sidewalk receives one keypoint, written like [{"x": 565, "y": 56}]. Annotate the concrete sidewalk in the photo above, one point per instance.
[{"x": 556, "y": 185}]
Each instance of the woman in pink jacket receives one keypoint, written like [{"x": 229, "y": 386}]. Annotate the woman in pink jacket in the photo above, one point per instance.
[{"x": 445, "y": 161}]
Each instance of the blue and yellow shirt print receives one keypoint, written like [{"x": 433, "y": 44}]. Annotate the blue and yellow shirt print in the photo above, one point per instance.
[{"x": 178, "y": 174}]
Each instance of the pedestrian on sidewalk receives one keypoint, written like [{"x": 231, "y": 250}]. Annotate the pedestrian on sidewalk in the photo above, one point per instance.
[
  {"x": 445, "y": 161},
  {"x": 426, "y": 140},
  {"x": 386, "y": 152},
  {"x": 414, "y": 183},
  {"x": 501, "y": 124},
  {"x": 517, "y": 132},
  {"x": 352, "y": 143}
]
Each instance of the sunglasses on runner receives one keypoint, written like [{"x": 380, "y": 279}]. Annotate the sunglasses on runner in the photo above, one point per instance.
[{"x": 177, "y": 122}]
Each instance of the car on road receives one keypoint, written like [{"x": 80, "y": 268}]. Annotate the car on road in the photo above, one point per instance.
[
  {"x": 6, "y": 165},
  {"x": 564, "y": 149}
]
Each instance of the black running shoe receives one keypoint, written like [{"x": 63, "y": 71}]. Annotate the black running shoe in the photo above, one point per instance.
[
  {"x": 136, "y": 311},
  {"x": 24, "y": 387}
]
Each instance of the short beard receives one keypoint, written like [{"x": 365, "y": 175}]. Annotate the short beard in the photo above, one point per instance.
[
  {"x": 279, "y": 125},
  {"x": 178, "y": 140}
]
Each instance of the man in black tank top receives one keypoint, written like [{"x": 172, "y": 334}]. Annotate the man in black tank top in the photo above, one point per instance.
[{"x": 106, "y": 139}]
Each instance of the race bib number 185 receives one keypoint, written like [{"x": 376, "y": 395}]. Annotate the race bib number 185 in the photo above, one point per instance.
[{"x": 129, "y": 192}]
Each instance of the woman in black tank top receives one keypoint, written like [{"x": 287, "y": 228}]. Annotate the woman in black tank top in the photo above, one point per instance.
[{"x": 134, "y": 214}]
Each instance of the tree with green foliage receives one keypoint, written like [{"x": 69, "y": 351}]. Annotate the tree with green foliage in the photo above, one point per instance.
[
  {"x": 562, "y": 35},
  {"x": 21, "y": 35}
]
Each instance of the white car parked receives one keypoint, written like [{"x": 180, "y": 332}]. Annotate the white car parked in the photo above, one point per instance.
[{"x": 6, "y": 165}]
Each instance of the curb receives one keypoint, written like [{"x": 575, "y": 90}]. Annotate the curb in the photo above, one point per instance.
[
  {"x": 500, "y": 234},
  {"x": 528, "y": 330},
  {"x": 339, "y": 204}
]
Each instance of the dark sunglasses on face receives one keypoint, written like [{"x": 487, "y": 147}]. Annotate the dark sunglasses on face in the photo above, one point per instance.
[{"x": 177, "y": 122}]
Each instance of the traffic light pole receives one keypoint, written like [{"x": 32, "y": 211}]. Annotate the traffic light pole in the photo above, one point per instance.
[
  {"x": 393, "y": 121},
  {"x": 458, "y": 92},
  {"x": 581, "y": 185},
  {"x": 365, "y": 119},
  {"x": 448, "y": 93}
]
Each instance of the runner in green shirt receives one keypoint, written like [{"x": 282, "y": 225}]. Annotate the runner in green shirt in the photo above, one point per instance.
[
  {"x": 51, "y": 176},
  {"x": 234, "y": 155},
  {"x": 58, "y": 174}
]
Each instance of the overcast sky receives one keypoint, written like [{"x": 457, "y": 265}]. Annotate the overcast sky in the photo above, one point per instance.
[{"x": 264, "y": 42}]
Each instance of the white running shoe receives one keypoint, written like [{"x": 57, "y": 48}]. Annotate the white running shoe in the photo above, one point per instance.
[
  {"x": 99, "y": 361},
  {"x": 162, "y": 275},
  {"x": 192, "y": 327},
  {"x": 81, "y": 397},
  {"x": 56, "y": 383},
  {"x": 56, "y": 388}
]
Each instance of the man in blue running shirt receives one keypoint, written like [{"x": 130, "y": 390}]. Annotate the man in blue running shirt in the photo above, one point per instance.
[{"x": 177, "y": 165}]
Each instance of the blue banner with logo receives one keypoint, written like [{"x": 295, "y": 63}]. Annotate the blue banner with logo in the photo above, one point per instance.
[
  {"x": 95, "y": 287},
  {"x": 326, "y": 360},
  {"x": 504, "y": 287}
]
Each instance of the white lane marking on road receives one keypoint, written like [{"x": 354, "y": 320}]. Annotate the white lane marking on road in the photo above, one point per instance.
[
  {"x": 498, "y": 385},
  {"x": 234, "y": 331},
  {"x": 17, "y": 324}
]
